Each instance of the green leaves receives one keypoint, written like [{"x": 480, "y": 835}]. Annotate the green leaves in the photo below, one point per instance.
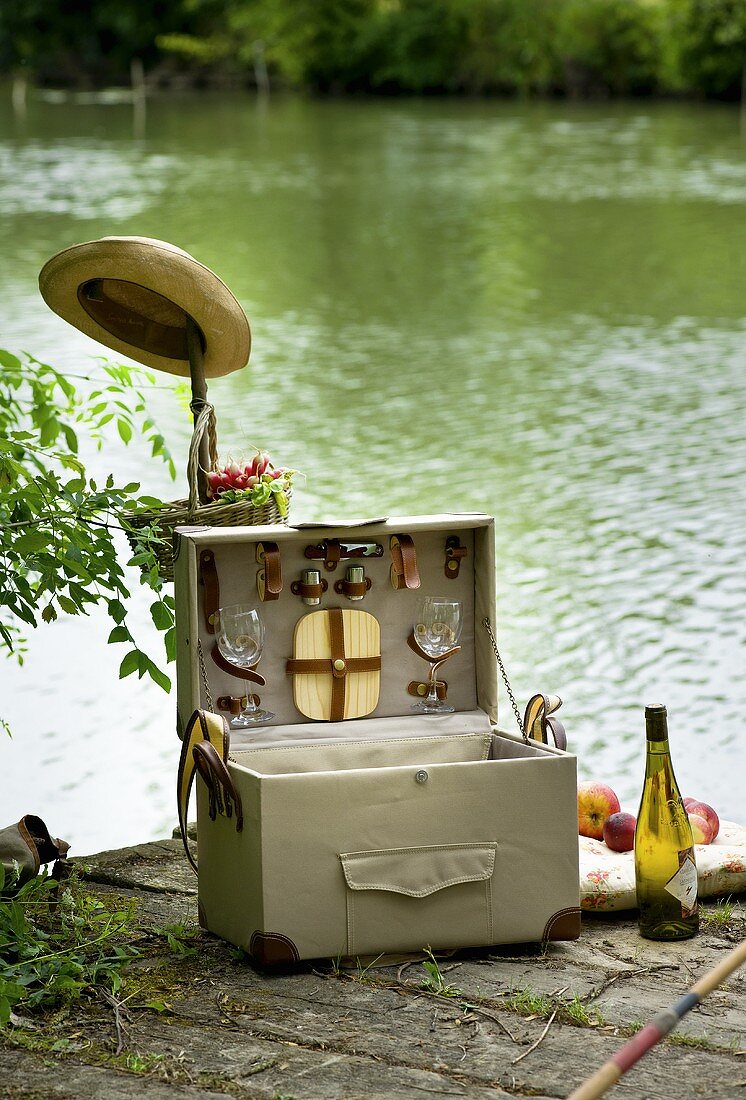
[
  {"x": 56, "y": 942},
  {"x": 136, "y": 661},
  {"x": 130, "y": 664},
  {"x": 58, "y": 525},
  {"x": 125, "y": 430}
]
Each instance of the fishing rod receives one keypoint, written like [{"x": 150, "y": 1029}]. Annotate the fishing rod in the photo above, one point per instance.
[{"x": 661, "y": 1024}]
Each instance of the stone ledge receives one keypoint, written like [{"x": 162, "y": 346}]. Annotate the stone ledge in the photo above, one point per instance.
[{"x": 318, "y": 1033}]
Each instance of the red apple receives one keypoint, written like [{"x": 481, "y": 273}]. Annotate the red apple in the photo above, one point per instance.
[
  {"x": 619, "y": 832},
  {"x": 707, "y": 812},
  {"x": 596, "y": 802},
  {"x": 701, "y": 831}
]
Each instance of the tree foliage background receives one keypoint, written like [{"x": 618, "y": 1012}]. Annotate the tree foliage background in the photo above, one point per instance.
[{"x": 561, "y": 47}]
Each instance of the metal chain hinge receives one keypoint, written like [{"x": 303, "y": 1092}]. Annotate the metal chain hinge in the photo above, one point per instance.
[
  {"x": 203, "y": 670},
  {"x": 488, "y": 627}
]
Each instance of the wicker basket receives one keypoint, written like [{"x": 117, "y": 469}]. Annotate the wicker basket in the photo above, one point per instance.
[{"x": 190, "y": 512}]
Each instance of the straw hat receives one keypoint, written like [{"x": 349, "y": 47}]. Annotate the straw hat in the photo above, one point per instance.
[{"x": 133, "y": 294}]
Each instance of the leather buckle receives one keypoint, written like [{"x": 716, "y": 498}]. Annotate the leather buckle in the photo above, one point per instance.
[
  {"x": 455, "y": 553},
  {"x": 269, "y": 578},
  {"x": 404, "y": 572}
]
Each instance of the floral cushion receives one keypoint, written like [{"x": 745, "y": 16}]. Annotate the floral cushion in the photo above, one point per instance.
[{"x": 607, "y": 879}]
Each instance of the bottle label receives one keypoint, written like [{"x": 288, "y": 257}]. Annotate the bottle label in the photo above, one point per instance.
[{"x": 683, "y": 885}]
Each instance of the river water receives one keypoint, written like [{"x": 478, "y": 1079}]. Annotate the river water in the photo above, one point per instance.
[{"x": 533, "y": 310}]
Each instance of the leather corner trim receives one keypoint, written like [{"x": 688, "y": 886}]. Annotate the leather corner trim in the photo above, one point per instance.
[
  {"x": 562, "y": 925},
  {"x": 268, "y": 949},
  {"x": 202, "y": 916}
]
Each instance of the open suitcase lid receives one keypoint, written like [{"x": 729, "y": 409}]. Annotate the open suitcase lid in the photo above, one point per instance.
[{"x": 451, "y": 555}]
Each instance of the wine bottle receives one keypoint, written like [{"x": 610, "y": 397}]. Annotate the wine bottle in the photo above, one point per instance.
[{"x": 665, "y": 867}]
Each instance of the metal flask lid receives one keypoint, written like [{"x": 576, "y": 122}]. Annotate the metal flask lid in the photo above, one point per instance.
[{"x": 355, "y": 575}]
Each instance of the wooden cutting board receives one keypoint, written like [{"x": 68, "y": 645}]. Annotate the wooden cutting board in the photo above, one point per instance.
[{"x": 312, "y": 692}]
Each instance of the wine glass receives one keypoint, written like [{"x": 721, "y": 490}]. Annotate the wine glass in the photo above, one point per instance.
[
  {"x": 240, "y": 638},
  {"x": 437, "y": 629}
]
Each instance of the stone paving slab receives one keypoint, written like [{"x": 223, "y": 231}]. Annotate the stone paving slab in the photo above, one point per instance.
[{"x": 208, "y": 1024}]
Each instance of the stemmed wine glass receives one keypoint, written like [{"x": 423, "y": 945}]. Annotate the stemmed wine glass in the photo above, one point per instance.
[
  {"x": 437, "y": 629},
  {"x": 240, "y": 637}
]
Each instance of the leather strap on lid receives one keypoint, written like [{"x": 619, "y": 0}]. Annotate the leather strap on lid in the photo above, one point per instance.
[
  {"x": 419, "y": 689},
  {"x": 235, "y": 670},
  {"x": 203, "y": 726},
  {"x": 269, "y": 579},
  {"x": 234, "y": 703},
  {"x": 208, "y": 578},
  {"x": 415, "y": 646},
  {"x": 328, "y": 550},
  {"x": 455, "y": 553},
  {"x": 404, "y": 571},
  {"x": 352, "y": 588},
  {"x": 309, "y": 591}
]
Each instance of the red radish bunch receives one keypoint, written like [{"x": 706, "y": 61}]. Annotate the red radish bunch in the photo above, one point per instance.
[{"x": 234, "y": 477}]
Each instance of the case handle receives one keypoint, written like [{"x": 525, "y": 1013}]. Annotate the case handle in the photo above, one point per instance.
[
  {"x": 215, "y": 774},
  {"x": 540, "y": 720},
  {"x": 204, "y": 729}
]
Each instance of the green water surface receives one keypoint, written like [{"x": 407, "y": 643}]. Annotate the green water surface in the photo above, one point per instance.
[{"x": 533, "y": 310}]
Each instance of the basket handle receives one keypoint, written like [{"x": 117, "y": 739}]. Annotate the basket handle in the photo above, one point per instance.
[{"x": 204, "y": 427}]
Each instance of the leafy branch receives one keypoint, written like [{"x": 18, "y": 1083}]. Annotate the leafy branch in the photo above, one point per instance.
[
  {"x": 57, "y": 942},
  {"x": 58, "y": 524}
]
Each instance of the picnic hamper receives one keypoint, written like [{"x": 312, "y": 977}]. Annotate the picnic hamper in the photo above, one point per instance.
[{"x": 390, "y": 831}]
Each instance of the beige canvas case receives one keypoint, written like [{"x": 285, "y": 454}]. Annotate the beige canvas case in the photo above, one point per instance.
[{"x": 387, "y": 833}]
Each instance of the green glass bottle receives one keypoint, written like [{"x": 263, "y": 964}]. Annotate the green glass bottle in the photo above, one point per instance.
[{"x": 665, "y": 868}]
